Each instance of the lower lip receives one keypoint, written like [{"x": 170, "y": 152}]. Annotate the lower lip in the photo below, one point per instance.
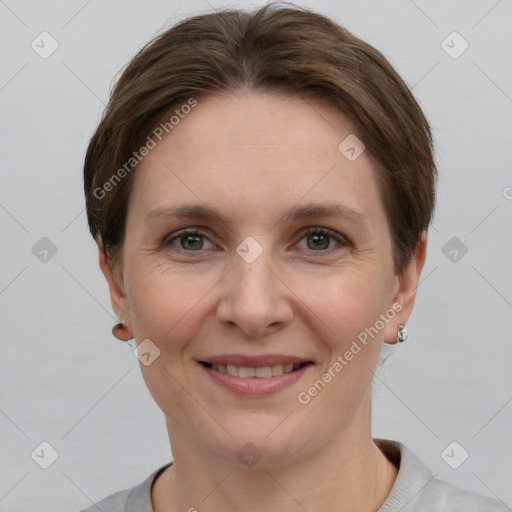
[{"x": 254, "y": 386}]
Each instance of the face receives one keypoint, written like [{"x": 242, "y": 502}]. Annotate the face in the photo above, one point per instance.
[{"x": 256, "y": 255}]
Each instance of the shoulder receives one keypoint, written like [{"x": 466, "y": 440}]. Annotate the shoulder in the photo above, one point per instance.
[
  {"x": 134, "y": 499},
  {"x": 443, "y": 496},
  {"x": 113, "y": 503},
  {"x": 417, "y": 490}
]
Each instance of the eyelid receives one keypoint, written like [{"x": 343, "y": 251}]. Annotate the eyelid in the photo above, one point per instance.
[
  {"x": 325, "y": 231},
  {"x": 184, "y": 232},
  {"x": 341, "y": 239}
]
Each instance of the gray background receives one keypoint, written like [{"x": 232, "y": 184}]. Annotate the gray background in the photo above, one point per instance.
[{"x": 65, "y": 380}]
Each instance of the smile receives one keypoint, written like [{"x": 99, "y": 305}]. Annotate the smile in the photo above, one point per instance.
[
  {"x": 255, "y": 377},
  {"x": 260, "y": 372}
]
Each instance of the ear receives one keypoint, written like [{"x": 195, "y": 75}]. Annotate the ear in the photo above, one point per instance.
[
  {"x": 116, "y": 287},
  {"x": 406, "y": 294}
]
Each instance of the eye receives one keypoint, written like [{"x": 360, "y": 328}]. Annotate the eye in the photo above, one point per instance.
[
  {"x": 317, "y": 240},
  {"x": 190, "y": 240}
]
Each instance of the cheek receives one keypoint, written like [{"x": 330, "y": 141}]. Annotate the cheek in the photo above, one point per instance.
[
  {"x": 347, "y": 301},
  {"x": 174, "y": 395},
  {"x": 164, "y": 305},
  {"x": 163, "y": 300},
  {"x": 173, "y": 308},
  {"x": 337, "y": 304},
  {"x": 349, "y": 306}
]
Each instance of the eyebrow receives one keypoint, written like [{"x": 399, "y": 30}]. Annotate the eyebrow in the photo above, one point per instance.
[{"x": 297, "y": 212}]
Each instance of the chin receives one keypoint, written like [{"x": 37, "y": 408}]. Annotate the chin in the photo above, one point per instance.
[{"x": 261, "y": 441}]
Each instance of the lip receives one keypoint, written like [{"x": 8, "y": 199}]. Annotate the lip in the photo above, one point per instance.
[{"x": 253, "y": 386}]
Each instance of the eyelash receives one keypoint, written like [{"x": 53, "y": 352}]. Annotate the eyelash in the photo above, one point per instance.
[{"x": 342, "y": 240}]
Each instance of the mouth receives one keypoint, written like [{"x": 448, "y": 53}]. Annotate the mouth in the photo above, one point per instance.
[
  {"x": 258, "y": 372},
  {"x": 255, "y": 376}
]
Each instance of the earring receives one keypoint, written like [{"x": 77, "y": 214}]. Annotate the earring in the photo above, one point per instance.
[
  {"x": 402, "y": 333},
  {"x": 119, "y": 332}
]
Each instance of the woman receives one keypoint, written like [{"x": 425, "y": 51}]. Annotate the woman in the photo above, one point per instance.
[{"x": 260, "y": 188}]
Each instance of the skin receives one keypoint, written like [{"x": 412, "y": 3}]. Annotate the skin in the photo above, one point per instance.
[{"x": 253, "y": 157}]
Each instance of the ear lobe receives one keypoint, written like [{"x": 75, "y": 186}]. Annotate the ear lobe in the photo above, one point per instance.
[{"x": 407, "y": 285}]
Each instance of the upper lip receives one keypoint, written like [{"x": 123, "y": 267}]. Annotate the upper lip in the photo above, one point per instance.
[{"x": 254, "y": 361}]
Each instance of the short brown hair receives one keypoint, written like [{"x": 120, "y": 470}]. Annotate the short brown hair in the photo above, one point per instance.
[{"x": 272, "y": 49}]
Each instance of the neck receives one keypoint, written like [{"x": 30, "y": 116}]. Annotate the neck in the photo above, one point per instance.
[{"x": 350, "y": 472}]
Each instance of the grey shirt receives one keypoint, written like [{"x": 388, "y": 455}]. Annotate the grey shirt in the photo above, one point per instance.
[{"x": 415, "y": 490}]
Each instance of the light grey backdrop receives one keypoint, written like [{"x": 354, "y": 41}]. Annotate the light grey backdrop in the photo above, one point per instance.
[{"x": 64, "y": 380}]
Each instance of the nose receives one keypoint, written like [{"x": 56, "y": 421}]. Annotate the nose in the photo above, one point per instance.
[{"x": 255, "y": 299}]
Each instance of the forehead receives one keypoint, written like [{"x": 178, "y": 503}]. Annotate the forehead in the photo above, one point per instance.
[
  {"x": 247, "y": 152},
  {"x": 245, "y": 121}
]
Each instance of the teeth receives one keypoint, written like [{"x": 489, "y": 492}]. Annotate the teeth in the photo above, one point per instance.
[
  {"x": 262, "y": 372},
  {"x": 276, "y": 370},
  {"x": 232, "y": 370},
  {"x": 265, "y": 372},
  {"x": 244, "y": 372}
]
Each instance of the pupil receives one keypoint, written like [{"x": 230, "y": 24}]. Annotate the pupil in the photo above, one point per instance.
[
  {"x": 320, "y": 238},
  {"x": 197, "y": 241}
]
